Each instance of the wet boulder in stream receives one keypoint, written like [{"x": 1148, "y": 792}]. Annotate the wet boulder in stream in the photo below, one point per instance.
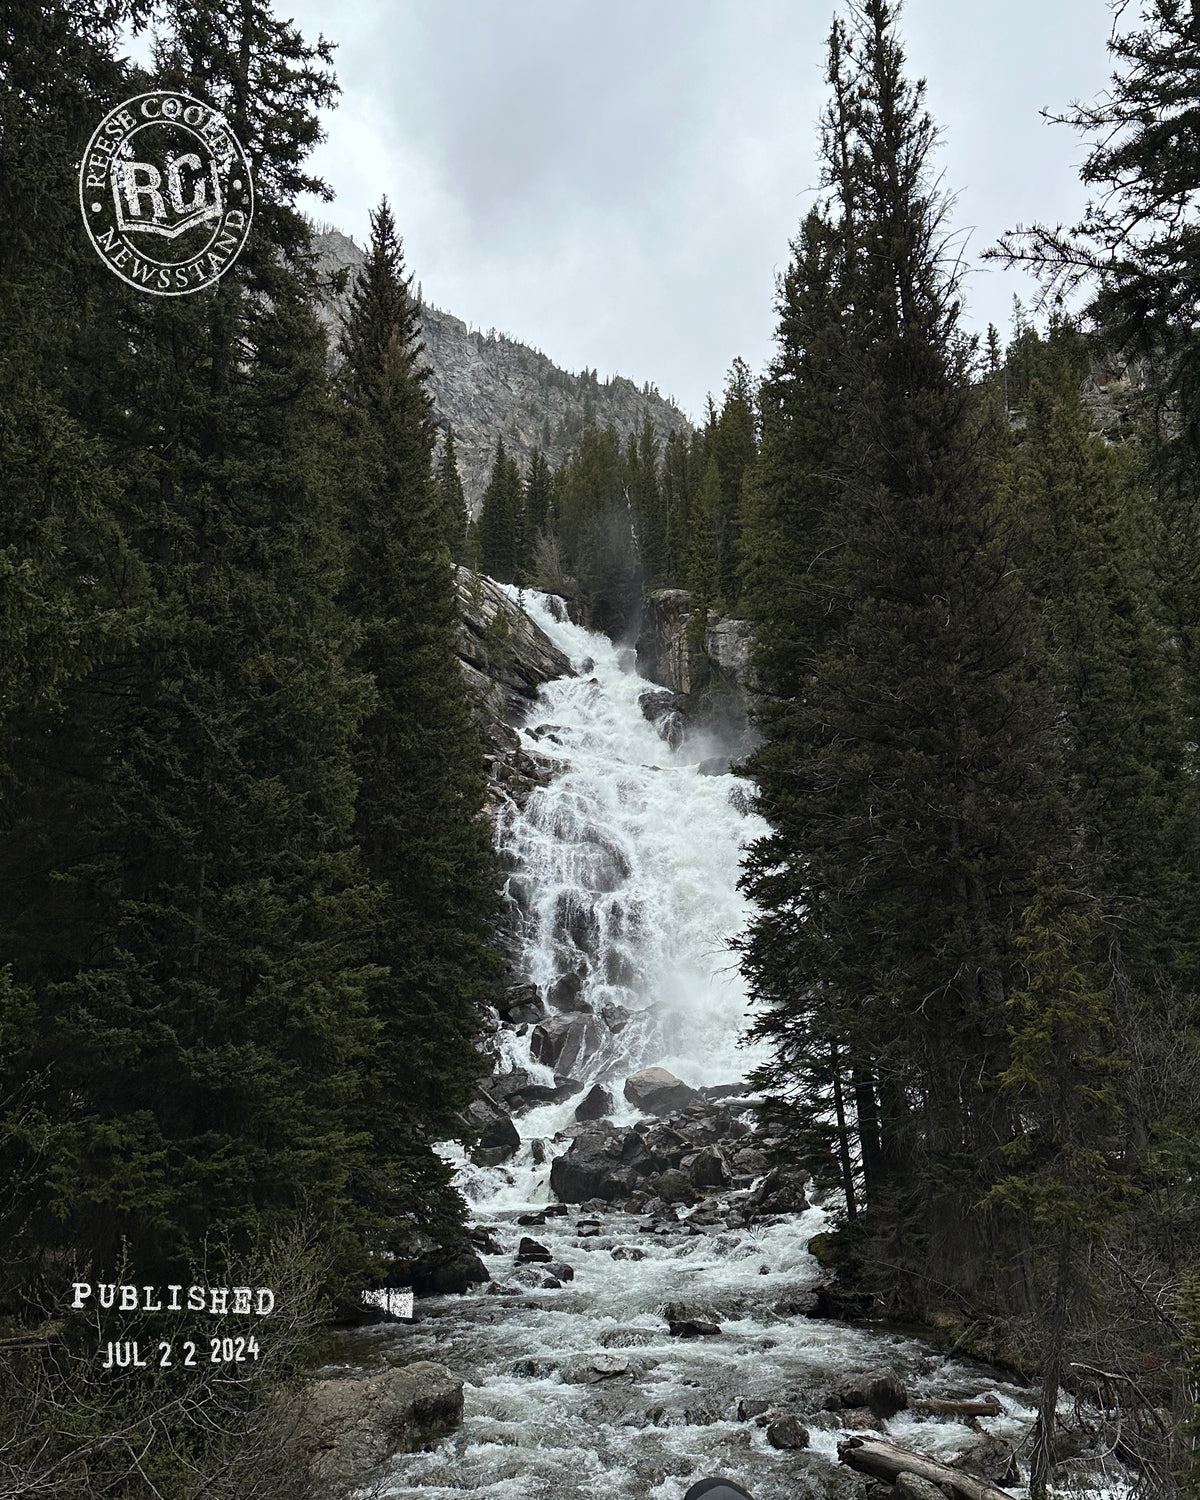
[
  {"x": 787, "y": 1432},
  {"x": 586, "y": 1170},
  {"x": 564, "y": 994},
  {"x": 563, "y": 1042},
  {"x": 780, "y": 1192},
  {"x": 521, "y": 1004},
  {"x": 595, "y": 1104},
  {"x": 685, "y": 1322},
  {"x": 498, "y": 1136},
  {"x": 881, "y": 1391},
  {"x": 657, "y": 1092},
  {"x": 448, "y": 1269}
]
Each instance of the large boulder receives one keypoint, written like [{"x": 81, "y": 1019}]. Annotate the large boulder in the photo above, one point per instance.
[
  {"x": 595, "y": 1104},
  {"x": 751, "y": 1162},
  {"x": 521, "y": 1004},
  {"x": 787, "y": 1432},
  {"x": 565, "y": 993},
  {"x": 780, "y": 1192},
  {"x": 564, "y": 1042},
  {"x": 881, "y": 1391},
  {"x": 351, "y": 1428},
  {"x": 666, "y": 1147},
  {"x": 657, "y": 1092},
  {"x": 498, "y": 1136},
  {"x": 707, "y": 1168},
  {"x": 446, "y": 1270},
  {"x": 673, "y": 1186},
  {"x": 586, "y": 1170}
]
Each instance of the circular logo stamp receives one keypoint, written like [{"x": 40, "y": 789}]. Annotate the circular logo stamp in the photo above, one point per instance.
[{"x": 166, "y": 195}]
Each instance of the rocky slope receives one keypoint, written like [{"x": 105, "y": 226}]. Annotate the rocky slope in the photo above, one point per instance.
[
  {"x": 489, "y": 386},
  {"x": 722, "y": 703},
  {"x": 504, "y": 659}
]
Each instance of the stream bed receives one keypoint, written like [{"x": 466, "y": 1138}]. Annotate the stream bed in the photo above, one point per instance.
[{"x": 623, "y": 882}]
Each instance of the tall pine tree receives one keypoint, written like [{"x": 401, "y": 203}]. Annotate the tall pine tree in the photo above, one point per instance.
[
  {"x": 904, "y": 776},
  {"x": 418, "y": 761},
  {"x": 183, "y": 823}
]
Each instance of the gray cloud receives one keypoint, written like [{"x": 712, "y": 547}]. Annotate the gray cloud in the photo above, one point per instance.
[{"x": 618, "y": 183}]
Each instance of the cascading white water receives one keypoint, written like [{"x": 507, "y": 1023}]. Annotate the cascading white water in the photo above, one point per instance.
[{"x": 624, "y": 872}]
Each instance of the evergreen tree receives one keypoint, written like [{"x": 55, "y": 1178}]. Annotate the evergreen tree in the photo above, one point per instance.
[
  {"x": 677, "y": 492},
  {"x": 1061, "y": 1183},
  {"x": 451, "y": 497},
  {"x": 905, "y": 778},
  {"x": 734, "y": 446},
  {"x": 500, "y": 526},
  {"x": 596, "y": 526},
  {"x": 646, "y": 497},
  {"x": 539, "y": 496},
  {"x": 183, "y": 821},
  {"x": 1085, "y": 517},
  {"x": 1136, "y": 251},
  {"x": 418, "y": 760},
  {"x": 702, "y": 570}
]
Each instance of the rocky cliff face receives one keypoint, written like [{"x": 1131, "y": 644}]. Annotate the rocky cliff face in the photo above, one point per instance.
[
  {"x": 723, "y": 700},
  {"x": 489, "y": 386},
  {"x": 504, "y": 659}
]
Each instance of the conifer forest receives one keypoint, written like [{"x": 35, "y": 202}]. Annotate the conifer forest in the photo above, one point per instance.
[{"x": 343, "y": 927}]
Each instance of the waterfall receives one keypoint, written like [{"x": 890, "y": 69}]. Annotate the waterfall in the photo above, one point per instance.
[
  {"x": 623, "y": 872},
  {"x": 622, "y": 875}
]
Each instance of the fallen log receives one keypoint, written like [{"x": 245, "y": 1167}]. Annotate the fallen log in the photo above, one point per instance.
[
  {"x": 887, "y": 1462},
  {"x": 987, "y": 1407}
]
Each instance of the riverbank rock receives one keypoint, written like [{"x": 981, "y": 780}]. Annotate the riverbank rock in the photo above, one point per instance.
[
  {"x": 881, "y": 1391},
  {"x": 657, "y": 1092},
  {"x": 448, "y": 1269},
  {"x": 352, "y": 1427},
  {"x": 502, "y": 654}
]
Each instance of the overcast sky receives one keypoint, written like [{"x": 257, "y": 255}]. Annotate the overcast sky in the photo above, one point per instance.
[{"x": 617, "y": 181}]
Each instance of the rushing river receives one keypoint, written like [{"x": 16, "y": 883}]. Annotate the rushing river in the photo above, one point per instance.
[{"x": 624, "y": 872}]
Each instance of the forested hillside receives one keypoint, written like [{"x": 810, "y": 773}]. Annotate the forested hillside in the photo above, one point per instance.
[{"x": 489, "y": 385}]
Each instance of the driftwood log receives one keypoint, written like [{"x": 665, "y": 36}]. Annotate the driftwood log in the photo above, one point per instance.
[
  {"x": 887, "y": 1462},
  {"x": 987, "y": 1407}
]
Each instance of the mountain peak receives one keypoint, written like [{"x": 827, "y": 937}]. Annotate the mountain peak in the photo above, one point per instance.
[{"x": 488, "y": 385}]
